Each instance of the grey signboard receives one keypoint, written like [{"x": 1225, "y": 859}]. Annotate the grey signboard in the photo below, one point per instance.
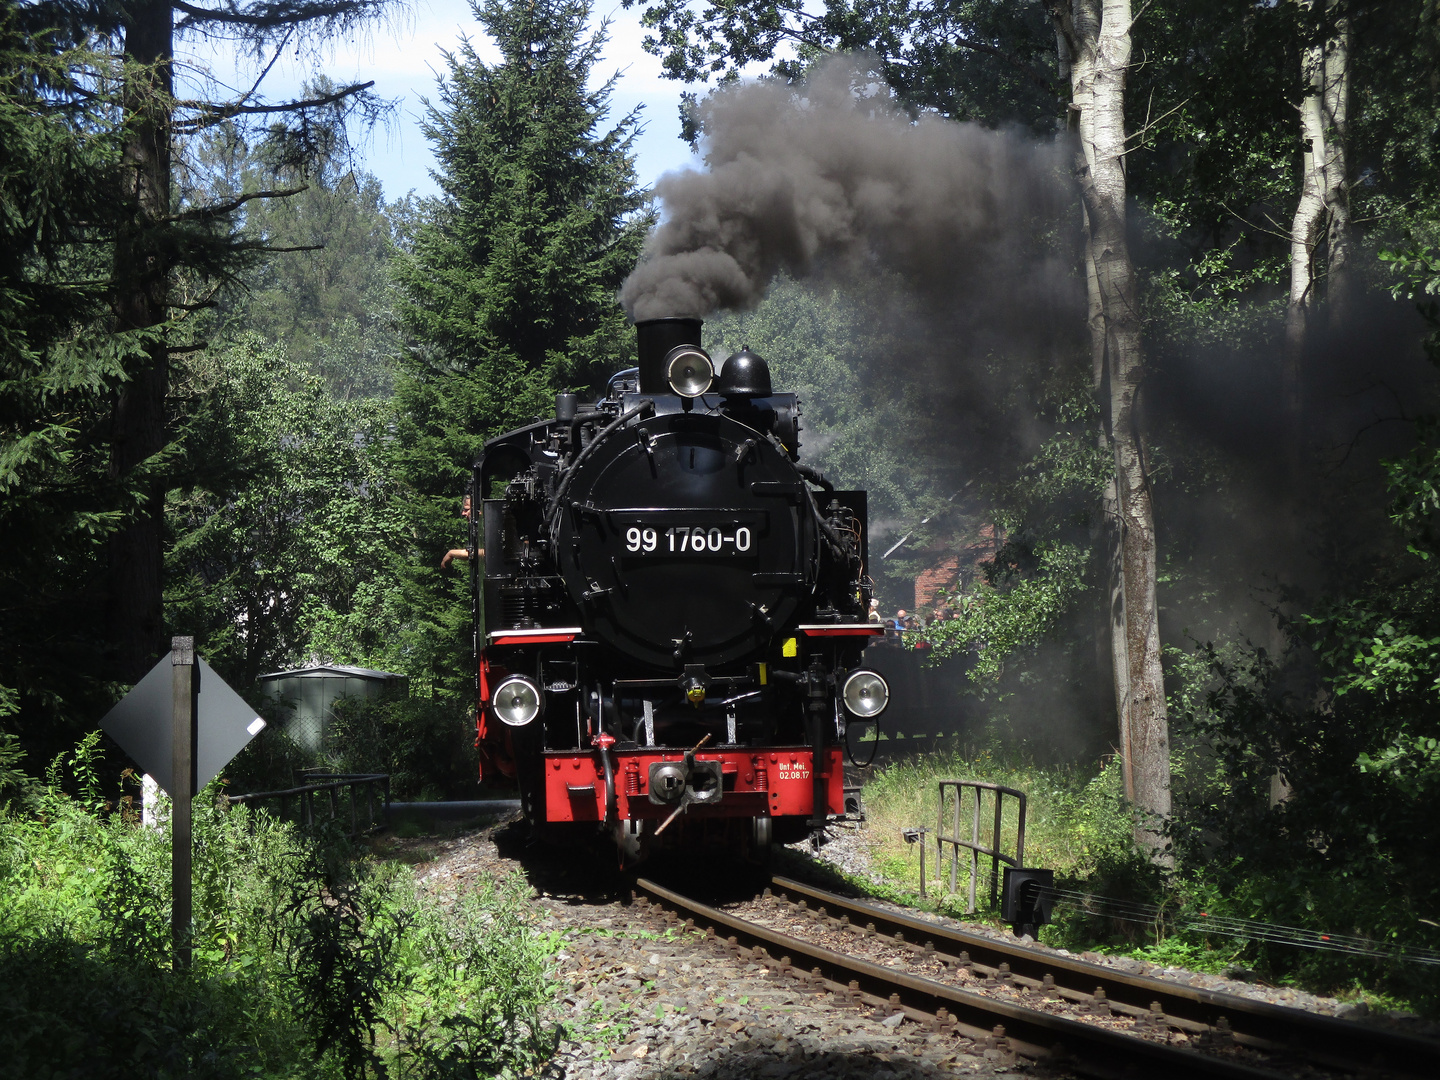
[{"x": 142, "y": 723}]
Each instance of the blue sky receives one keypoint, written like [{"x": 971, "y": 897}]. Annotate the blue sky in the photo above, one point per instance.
[{"x": 404, "y": 55}]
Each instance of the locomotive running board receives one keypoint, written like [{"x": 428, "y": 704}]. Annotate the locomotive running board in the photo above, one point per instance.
[{"x": 538, "y": 636}]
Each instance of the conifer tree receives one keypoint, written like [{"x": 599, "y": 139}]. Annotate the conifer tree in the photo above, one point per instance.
[
  {"x": 59, "y": 363},
  {"x": 161, "y": 105},
  {"x": 510, "y": 292}
]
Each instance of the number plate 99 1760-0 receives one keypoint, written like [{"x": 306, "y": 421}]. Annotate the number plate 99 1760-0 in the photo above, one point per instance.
[
  {"x": 717, "y": 533},
  {"x": 732, "y": 538}
]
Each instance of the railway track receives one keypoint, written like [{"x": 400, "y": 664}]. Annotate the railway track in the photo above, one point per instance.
[
  {"x": 1022, "y": 992},
  {"x": 1324, "y": 1040}
]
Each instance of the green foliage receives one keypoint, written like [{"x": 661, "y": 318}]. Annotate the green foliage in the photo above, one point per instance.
[
  {"x": 1418, "y": 270},
  {"x": 1013, "y": 606},
  {"x": 427, "y": 746},
  {"x": 323, "y": 291},
  {"x": 309, "y": 960},
  {"x": 1345, "y": 849},
  {"x": 1396, "y": 132},
  {"x": 988, "y": 60},
  {"x": 1076, "y": 823},
  {"x": 17, "y": 787},
  {"x": 509, "y": 290},
  {"x": 60, "y": 364},
  {"x": 281, "y": 549},
  {"x": 480, "y": 985}
]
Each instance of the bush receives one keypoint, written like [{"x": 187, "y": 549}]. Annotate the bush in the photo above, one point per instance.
[
  {"x": 269, "y": 761},
  {"x": 427, "y": 747},
  {"x": 309, "y": 959},
  {"x": 1076, "y": 823},
  {"x": 1349, "y": 848}
]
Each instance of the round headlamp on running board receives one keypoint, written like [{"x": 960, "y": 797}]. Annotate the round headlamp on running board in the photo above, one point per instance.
[
  {"x": 688, "y": 370},
  {"x": 866, "y": 694},
  {"x": 516, "y": 701}
]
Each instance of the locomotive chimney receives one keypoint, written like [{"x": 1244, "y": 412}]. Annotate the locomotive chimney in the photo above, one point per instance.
[{"x": 657, "y": 338}]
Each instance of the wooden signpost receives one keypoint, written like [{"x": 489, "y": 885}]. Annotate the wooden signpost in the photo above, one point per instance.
[
  {"x": 182, "y": 724},
  {"x": 182, "y": 770}
]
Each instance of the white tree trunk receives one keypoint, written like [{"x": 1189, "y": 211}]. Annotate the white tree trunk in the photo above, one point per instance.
[
  {"x": 1335, "y": 186},
  {"x": 1323, "y": 208},
  {"x": 1096, "y": 38},
  {"x": 1304, "y": 233}
]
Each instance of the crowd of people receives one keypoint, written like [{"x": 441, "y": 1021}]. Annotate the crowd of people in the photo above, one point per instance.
[{"x": 911, "y": 621}]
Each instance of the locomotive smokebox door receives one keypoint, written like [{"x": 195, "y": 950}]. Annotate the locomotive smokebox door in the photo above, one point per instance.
[{"x": 682, "y": 552}]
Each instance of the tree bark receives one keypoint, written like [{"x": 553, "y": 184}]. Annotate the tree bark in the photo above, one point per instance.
[
  {"x": 1322, "y": 209},
  {"x": 1096, "y": 38},
  {"x": 1335, "y": 101},
  {"x": 135, "y": 616}
]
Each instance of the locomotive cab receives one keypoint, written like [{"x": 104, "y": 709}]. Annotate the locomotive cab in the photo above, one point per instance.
[{"x": 671, "y": 615}]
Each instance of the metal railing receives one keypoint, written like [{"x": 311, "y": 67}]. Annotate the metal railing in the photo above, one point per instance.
[
  {"x": 973, "y": 845},
  {"x": 331, "y": 785}
]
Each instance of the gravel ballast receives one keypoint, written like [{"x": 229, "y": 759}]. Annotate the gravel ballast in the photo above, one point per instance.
[{"x": 643, "y": 999}]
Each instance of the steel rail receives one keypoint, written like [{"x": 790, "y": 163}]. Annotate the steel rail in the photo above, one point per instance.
[
  {"x": 1084, "y": 1049},
  {"x": 1254, "y": 1023}
]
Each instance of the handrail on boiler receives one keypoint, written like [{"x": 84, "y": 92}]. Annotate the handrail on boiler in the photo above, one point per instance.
[{"x": 974, "y": 846}]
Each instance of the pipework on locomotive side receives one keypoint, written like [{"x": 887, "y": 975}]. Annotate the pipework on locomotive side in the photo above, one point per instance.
[{"x": 671, "y": 617}]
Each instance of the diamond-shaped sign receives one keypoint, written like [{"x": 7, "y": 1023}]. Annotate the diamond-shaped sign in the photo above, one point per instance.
[{"x": 142, "y": 723}]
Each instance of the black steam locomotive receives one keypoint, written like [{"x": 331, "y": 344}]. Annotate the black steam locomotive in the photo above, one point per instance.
[{"x": 670, "y": 619}]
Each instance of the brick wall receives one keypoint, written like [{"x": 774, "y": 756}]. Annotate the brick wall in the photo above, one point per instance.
[
  {"x": 940, "y": 576},
  {"x": 946, "y": 572}
]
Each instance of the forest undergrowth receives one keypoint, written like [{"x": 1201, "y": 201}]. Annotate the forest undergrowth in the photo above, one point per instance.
[
  {"x": 1079, "y": 824},
  {"x": 311, "y": 957}
]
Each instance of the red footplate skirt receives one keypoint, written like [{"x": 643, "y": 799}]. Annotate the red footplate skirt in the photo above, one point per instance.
[{"x": 772, "y": 782}]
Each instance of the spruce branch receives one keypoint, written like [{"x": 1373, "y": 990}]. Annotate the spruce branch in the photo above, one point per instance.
[
  {"x": 206, "y": 213},
  {"x": 210, "y": 114}
]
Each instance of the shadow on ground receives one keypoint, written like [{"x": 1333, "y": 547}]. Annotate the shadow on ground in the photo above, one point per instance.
[{"x": 585, "y": 869}]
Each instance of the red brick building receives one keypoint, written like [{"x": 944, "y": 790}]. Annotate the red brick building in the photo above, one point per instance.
[{"x": 957, "y": 568}]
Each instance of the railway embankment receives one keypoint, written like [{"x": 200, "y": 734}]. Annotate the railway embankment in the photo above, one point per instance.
[
  {"x": 643, "y": 999},
  {"x": 641, "y": 995}
]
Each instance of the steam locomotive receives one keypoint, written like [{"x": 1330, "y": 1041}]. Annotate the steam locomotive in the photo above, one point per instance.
[{"x": 670, "y": 619}]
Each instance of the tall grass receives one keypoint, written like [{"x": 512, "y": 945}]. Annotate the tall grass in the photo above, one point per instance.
[
  {"x": 1075, "y": 822},
  {"x": 1078, "y": 823},
  {"x": 310, "y": 959}
]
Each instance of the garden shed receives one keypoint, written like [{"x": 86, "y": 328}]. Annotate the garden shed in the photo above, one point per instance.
[{"x": 313, "y": 691}]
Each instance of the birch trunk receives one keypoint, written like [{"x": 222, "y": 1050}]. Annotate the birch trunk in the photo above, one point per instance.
[
  {"x": 1096, "y": 38},
  {"x": 1322, "y": 209},
  {"x": 1304, "y": 233},
  {"x": 141, "y": 274},
  {"x": 1107, "y": 529},
  {"x": 1335, "y": 182}
]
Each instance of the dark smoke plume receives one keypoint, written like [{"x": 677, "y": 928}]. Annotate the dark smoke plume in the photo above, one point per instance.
[{"x": 823, "y": 174}]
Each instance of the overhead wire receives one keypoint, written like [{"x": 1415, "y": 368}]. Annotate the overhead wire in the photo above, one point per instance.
[{"x": 1248, "y": 929}]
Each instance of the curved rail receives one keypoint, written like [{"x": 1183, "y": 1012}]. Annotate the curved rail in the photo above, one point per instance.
[
  {"x": 1260, "y": 1024},
  {"x": 1083, "y": 1049}
]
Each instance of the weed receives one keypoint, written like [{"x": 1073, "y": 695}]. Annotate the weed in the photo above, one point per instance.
[{"x": 310, "y": 959}]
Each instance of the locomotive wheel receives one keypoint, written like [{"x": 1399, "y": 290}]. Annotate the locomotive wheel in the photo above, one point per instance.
[
  {"x": 762, "y": 837},
  {"x": 629, "y": 836},
  {"x": 530, "y": 774}
]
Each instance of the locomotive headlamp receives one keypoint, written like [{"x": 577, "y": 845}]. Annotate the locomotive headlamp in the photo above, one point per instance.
[
  {"x": 516, "y": 701},
  {"x": 866, "y": 694},
  {"x": 689, "y": 371}
]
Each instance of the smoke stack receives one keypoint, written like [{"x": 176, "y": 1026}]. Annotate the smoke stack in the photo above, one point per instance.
[{"x": 657, "y": 337}]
